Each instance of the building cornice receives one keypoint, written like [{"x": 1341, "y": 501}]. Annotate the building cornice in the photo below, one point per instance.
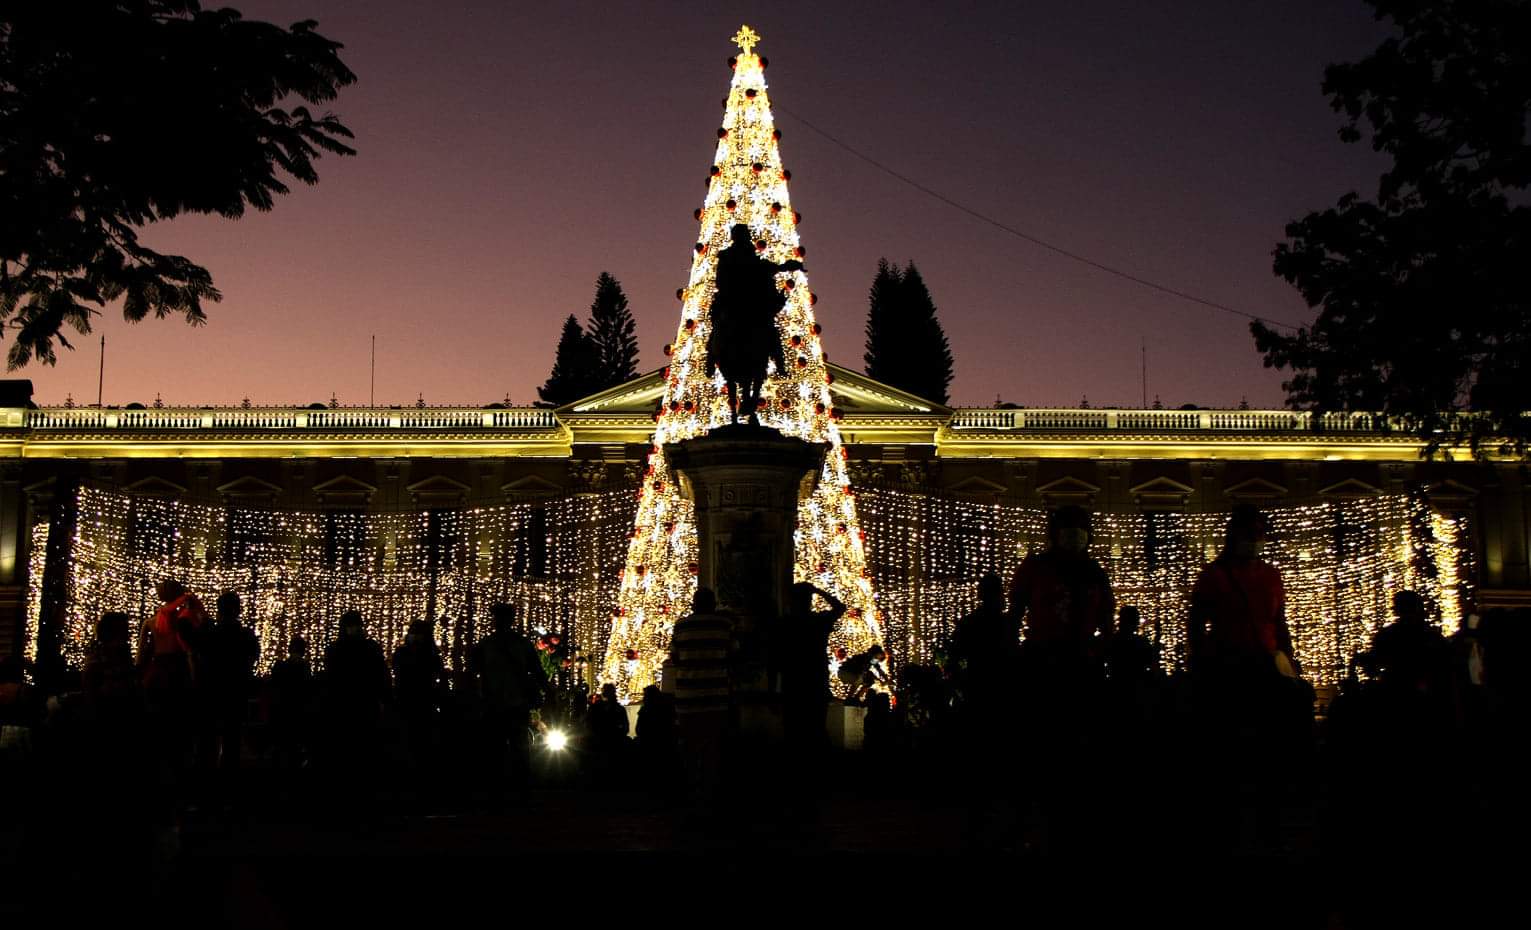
[{"x": 458, "y": 432}]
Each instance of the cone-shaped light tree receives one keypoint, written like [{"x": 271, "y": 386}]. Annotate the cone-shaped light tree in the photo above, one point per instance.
[{"x": 747, "y": 184}]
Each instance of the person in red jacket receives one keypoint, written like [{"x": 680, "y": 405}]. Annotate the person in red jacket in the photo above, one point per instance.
[
  {"x": 164, "y": 650},
  {"x": 1238, "y": 608},
  {"x": 165, "y": 642},
  {"x": 1063, "y": 597}
]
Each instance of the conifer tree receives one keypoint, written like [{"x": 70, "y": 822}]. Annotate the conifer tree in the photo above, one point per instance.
[
  {"x": 574, "y": 367},
  {"x": 611, "y": 330},
  {"x": 906, "y": 346},
  {"x": 929, "y": 355},
  {"x": 884, "y": 356}
]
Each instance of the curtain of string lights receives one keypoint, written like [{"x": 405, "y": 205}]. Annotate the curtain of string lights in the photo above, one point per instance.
[
  {"x": 1340, "y": 562},
  {"x": 556, "y": 561},
  {"x": 560, "y": 561}
]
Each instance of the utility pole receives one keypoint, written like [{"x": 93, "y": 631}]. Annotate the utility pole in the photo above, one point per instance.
[
  {"x": 1144, "y": 346},
  {"x": 372, "y": 391},
  {"x": 101, "y": 378}
]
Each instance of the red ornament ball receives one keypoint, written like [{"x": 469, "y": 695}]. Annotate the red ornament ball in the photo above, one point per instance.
[
  {"x": 819, "y": 409},
  {"x": 680, "y": 293},
  {"x": 751, "y": 93},
  {"x": 763, "y": 62},
  {"x": 797, "y": 340},
  {"x": 786, "y": 175},
  {"x": 757, "y": 167},
  {"x": 690, "y": 325},
  {"x": 694, "y": 568},
  {"x": 841, "y": 654},
  {"x": 632, "y": 655},
  {"x": 701, "y": 247},
  {"x": 802, "y": 361},
  {"x": 760, "y": 404},
  {"x": 760, "y": 245},
  {"x": 817, "y": 329},
  {"x": 796, "y": 217},
  {"x": 775, "y": 208},
  {"x": 697, "y": 213},
  {"x": 776, "y": 134},
  {"x": 732, "y": 205},
  {"x": 722, "y": 132},
  {"x": 733, "y": 63},
  {"x": 716, "y": 170},
  {"x": 801, "y": 252},
  {"x": 786, "y": 404},
  {"x": 813, "y": 299}
]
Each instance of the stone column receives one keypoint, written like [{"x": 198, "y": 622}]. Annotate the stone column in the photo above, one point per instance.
[{"x": 745, "y": 482}]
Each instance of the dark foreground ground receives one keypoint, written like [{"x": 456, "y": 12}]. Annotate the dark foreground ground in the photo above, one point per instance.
[{"x": 862, "y": 848}]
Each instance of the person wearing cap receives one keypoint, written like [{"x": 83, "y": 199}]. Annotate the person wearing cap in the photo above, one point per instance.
[
  {"x": 1063, "y": 597},
  {"x": 1238, "y": 607}
]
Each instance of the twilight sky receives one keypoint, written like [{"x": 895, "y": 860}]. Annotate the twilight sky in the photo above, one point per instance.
[{"x": 511, "y": 151}]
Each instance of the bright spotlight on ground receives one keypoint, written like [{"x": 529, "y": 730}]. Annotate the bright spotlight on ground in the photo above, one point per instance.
[{"x": 557, "y": 740}]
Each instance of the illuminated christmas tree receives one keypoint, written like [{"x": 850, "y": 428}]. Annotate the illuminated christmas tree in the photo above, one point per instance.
[{"x": 748, "y": 184}]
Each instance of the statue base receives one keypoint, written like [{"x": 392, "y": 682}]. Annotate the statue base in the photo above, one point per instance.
[{"x": 745, "y": 482}]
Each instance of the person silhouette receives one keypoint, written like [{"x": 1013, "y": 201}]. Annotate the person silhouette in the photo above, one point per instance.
[
  {"x": 225, "y": 660},
  {"x": 801, "y": 648},
  {"x": 1411, "y": 654},
  {"x": 292, "y": 700},
  {"x": 743, "y": 336}
]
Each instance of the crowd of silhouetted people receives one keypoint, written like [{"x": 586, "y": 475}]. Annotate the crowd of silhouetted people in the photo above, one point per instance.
[{"x": 1047, "y": 721}]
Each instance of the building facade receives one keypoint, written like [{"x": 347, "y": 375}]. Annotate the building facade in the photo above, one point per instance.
[{"x": 413, "y": 460}]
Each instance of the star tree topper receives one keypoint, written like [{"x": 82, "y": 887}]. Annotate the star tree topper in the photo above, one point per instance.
[{"x": 746, "y": 38}]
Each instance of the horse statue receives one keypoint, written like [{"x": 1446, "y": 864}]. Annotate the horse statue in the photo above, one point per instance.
[{"x": 743, "y": 337}]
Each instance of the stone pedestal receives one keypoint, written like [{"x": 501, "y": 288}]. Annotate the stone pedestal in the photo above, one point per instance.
[{"x": 745, "y": 482}]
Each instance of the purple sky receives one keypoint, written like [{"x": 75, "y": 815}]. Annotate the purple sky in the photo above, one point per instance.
[{"x": 510, "y": 152}]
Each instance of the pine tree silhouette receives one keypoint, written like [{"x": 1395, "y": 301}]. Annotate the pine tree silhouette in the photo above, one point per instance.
[
  {"x": 906, "y": 346},
  {"x": 885, "y": 356},
  {"x": 611, "y": 331},
  {"x": 574, "y": 367},
  {"x": 929, "y": 354}
]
